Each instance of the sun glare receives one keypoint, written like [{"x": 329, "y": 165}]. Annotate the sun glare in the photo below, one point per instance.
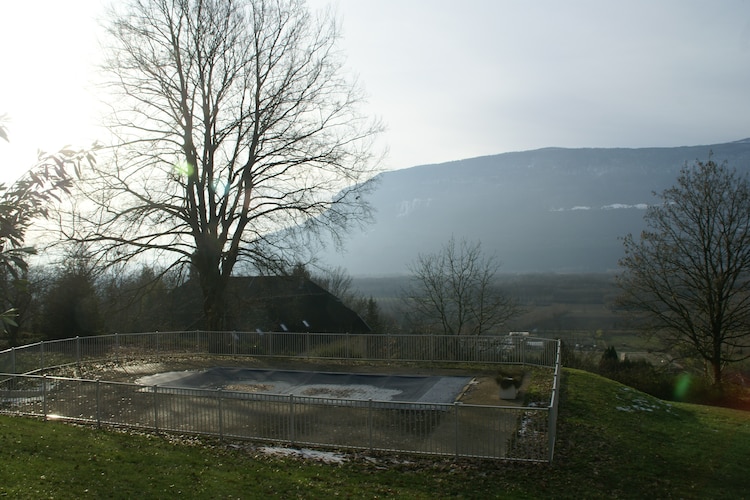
[
  {"x": 50, "y": 49},
  {"x": 183, "y": 168}
]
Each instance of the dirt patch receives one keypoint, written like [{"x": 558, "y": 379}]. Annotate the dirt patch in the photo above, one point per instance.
[
  {"x": 330, "y": 392},
  {"x": 248, "y": 387}
]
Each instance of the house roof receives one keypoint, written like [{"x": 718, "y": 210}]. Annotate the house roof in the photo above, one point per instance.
[{"x": 271, "y": 303}]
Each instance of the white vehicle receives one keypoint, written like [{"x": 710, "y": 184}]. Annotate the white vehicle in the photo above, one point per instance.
[{"x": 518, "y": 334}]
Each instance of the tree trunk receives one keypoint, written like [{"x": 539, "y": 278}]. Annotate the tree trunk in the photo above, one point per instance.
[
  {"x": 214, "y": 307},
  {"x": 13, "y": 331},
  {"x": 716, "y": 366},
  {"x": 206, "y": 260}
]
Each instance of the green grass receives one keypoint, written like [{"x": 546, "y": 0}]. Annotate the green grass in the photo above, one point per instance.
[{"x": 613, "y": 442}]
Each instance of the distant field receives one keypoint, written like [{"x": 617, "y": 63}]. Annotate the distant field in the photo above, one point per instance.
[{"x": 574, "y": 307}]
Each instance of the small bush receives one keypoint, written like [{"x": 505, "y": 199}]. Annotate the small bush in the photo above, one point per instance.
[
  {"x": 641, "y": 375},
  {"x": 508, "y": 376}
]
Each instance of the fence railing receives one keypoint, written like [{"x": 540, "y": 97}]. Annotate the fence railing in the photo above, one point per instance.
[
  {"x": 32, "y": 358},
  {"x": 457, "y": 429}
]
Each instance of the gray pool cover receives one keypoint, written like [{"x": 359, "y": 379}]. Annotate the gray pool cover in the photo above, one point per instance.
[{"x": 358, "y": 386}]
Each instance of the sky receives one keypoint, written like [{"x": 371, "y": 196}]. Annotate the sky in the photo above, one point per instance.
[{"x": 450, "y": 80}]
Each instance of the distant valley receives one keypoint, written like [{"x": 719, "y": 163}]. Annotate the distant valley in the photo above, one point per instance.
[{"x": 548, "y": 210}]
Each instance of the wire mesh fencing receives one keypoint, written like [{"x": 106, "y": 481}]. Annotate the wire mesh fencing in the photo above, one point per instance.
[
  {"x": 460, "y": 430},
  {"x": 454, "y": 429},
  {"x": 376, "y": 347}
]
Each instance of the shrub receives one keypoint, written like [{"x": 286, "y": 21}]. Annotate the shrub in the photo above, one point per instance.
[{"x": 508, "y": 376}]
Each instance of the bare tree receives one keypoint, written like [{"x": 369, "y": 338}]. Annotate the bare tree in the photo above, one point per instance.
[
  {"x": 688, "y": 272},
  {"x": 456, "y": 289},
  {"x": 238, "y": 140},
  {"x": 337, "y": 282}
]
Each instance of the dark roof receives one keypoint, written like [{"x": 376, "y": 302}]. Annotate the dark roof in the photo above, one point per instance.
[{"x": 270, "y": 303}]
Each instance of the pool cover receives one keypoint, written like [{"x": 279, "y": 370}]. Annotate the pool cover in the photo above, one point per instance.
[{"x": 355, "y": 386}]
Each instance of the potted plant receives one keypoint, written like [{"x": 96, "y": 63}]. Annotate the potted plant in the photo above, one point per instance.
[{"x": 509, "y": 384}]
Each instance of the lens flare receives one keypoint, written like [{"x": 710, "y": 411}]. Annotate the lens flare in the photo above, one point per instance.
[
  {"x": 221, "y": 187},
  {"x": 682, "y": 386},
  {"x": 184, "y": 168}
]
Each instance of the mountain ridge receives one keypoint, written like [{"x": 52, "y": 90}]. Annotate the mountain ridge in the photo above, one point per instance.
[{"x": 544, "y": 210}]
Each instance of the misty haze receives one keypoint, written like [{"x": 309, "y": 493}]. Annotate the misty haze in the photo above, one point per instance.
[{"x": 549, "y": 210}]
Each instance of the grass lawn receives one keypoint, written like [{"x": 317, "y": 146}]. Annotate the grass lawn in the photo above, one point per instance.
[{"x": 613, "y": 442}]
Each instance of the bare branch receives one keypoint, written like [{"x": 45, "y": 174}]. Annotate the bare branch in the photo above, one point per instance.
[
  {"x": 238, "y": 133},
  {"x": 455, "y": 289},
  {"x": 688, "y": 272}
]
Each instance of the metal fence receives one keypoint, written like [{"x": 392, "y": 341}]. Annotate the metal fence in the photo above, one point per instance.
[{"x": 461, "y": 430}]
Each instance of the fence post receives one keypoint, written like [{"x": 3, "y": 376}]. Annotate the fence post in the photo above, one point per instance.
[
  {"x": 455, "y": 414},
  {"x": 221, "y": 415},
  {"x": 44, "y": 396},
  {"x": 291, "y": 419},
  {"x": 156, "y": 408},
  {"x": 98, "y": 404},
  {"x": 550, "y": 430},
  {"x": 13, "y": 359},
  {"x": 388, "y": 345},
  {"x": 117, "y": 349},
  {"x": 78, "y": 350},
  {"x": 369, "y": 421},
  {"x": 554, "y": 404},
  {"x": 41, "y": 352}
]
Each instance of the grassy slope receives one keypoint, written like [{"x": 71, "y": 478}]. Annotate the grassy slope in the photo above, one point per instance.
[
  {"x": 612, "y": 442},
  {"x": 628, "y": 444}
]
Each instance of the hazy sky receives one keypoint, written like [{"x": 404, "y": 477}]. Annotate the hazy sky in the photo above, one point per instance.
[{"x": 450, "y": 79}]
